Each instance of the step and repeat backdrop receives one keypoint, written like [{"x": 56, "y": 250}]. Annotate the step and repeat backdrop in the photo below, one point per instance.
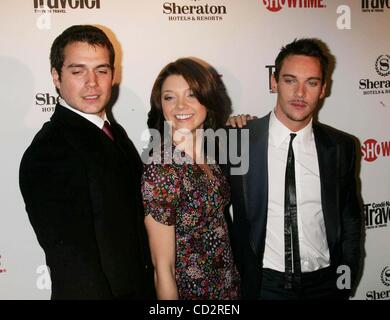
[{"x": 240, "y": 39}]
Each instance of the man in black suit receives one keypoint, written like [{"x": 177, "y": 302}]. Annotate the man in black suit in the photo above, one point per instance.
[
  {"x": 80, "y": 180},
  {"x": 296, "y": 217}
]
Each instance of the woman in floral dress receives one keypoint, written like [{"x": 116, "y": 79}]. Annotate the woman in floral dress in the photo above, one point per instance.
[{"x": 184, "y": 192}]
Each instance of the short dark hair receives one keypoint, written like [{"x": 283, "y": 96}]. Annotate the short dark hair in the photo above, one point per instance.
[
  {"x": 78, "y": 33},
  {"x": 305, "y": 47},
  {"x": 206, "y": 85}
]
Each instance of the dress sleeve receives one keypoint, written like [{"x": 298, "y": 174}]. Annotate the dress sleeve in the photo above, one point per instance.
[{"x": 161, "y": 192}]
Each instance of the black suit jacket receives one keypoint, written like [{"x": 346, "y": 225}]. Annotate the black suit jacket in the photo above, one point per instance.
[
  {"x": 82, "y": 196},
  {"x": 342, "y": 213}
]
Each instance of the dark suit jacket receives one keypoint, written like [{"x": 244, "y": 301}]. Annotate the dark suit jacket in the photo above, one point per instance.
[
  {"x": 82, "y": 196},
  {"x": 342, "y": 213}
]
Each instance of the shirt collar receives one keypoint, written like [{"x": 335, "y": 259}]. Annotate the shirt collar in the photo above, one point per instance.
[
  {"x": 279, "y": 132},
  {"x": 95, "y": 119}
]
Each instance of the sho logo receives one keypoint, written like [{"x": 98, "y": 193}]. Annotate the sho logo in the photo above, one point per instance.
[
  {"x": 274, "y": 5},
  {"x": 385, "y": 276},
  {"x": 382, "y": 65},
  {"x": 277, "y": 5},
  {"x": 372, "y": 149}
]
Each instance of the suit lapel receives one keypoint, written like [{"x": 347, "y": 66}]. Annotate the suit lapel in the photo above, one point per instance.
[
  {"x": 255, "y": 182},
  {"x": 328, "y": 161},
  {"x": 80, "y": 133},
  {"x": 86, "y": 138},
  {"x": 126, "y": 147}
]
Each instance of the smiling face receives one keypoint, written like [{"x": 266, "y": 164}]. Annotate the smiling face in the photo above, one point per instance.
[
  {"x": 86, "y": 77},
  {"x": 300, "y": 87},
  {"x": 180, "y": 106}
]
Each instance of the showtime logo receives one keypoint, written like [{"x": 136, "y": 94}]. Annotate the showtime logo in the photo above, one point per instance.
[
  {"x": 372, "y": 149},
  {"x": 277, "y": 5}
]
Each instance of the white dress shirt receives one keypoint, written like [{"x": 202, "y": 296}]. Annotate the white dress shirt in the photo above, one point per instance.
[
  {"x": 313, "y": 245},
  {"x": 95, "y": 119}
]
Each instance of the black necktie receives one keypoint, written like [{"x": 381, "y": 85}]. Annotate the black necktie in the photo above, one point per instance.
[
  {"x": 107, "y": 130},
  {"x": 291, "y": 242}
]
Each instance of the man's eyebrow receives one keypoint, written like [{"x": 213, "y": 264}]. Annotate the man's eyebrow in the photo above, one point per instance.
[
  {"x": 310, "y": 78},
  {"x": 105, "y": 65},
  {"x": 80, "y": 65},
  {"x": 288, "y": 75},
  {"x": 315, "y": 78},
  {"x": 75, "y": 65}
]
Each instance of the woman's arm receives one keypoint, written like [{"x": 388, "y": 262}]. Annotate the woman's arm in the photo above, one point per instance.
[{"x": 162, "y": 244}]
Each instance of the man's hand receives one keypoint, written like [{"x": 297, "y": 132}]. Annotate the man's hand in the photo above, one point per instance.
[{"x": 239, "y": 120}]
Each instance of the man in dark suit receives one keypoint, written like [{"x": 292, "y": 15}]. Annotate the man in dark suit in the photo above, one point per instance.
[
  {"x": 296, "y": 217},
  {"x": 80, "y": 179}
]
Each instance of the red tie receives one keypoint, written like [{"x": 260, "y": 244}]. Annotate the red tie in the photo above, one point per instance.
[{"x": 107, "y": 130}]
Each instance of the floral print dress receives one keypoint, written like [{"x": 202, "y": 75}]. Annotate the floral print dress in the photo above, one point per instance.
[{"x": 183, "y": 195}]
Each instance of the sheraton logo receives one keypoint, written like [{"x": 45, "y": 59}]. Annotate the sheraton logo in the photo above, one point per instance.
[
  {"x": 381, "y": 294},
  {"x": 277, "y": 5},
  {"x": 379, "y": 85},
  {"x": 46, "y": 101},
  {"x": 385, "y": 276},
  {"x": 193, "y": 11},
  {"x": 382, "y": 65}
]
